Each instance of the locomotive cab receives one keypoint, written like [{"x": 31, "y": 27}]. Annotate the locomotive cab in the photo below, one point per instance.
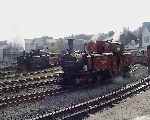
[
  {"x": 100, "y": 66},
  {"x": 99, "y": 62}
]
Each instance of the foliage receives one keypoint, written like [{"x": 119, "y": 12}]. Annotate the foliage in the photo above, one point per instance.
[{"x": 127, "y": 36}]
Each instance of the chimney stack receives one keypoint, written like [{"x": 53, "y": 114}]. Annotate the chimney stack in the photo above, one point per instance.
[{"x": 70, "y": 44}]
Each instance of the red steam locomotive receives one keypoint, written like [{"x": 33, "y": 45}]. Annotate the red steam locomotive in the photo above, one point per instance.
[{"x": 100, "y": 61}]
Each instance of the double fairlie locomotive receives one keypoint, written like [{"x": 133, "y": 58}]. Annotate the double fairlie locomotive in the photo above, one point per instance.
[{"x": 100, "y": 61}]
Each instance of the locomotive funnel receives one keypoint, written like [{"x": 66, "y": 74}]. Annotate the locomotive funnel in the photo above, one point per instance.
[{"x": 70, "y": 45}]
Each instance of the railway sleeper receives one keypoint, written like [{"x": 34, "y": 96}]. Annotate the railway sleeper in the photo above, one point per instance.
[{"x": 122, "y": 97}]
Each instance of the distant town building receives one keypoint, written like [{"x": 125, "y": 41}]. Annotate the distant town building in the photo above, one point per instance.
[
  {"x": 145, "y": 34},
  {"x": 3, "y": 45},
  {"x": 39, "y": 43},
  {"x": 78, "y": 44},
  {"x": 10, "y": 54}
]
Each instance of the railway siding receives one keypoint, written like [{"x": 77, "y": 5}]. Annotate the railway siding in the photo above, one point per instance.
[
  {"x": 76, "y": 111},
  {"x": 26, "y": 110}
]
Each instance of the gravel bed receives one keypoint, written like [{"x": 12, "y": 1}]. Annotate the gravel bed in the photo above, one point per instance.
[
  {"x": 51, "y": 72},
  {"x": 50, "y": 103},
  {"x": 25, "y": 83},
  {"x": 26, "y": 91},
  {"x": 134, "y": 108},
  {"x": 24, "y": 77}
]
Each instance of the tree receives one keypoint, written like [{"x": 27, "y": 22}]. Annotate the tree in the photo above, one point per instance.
[
  {"x": 138, "y": 33},
  {"x": 127, "y": 36},
  {"x": 111, "y": 33}
]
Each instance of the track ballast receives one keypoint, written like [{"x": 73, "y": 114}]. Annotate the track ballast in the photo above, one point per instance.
[{"x": 78, "y": 111}]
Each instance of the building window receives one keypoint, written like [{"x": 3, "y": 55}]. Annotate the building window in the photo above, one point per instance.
[{"x": 146, "y": 39}]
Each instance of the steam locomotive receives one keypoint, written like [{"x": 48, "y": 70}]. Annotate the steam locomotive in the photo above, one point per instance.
[
  {"x": 36, "y": 60},
  {"x": 100, "y": 61}
]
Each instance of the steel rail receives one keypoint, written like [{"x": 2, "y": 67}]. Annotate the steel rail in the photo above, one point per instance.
[
  {"x": 29, "y": 73},
  {"x": 79, "y": 110},
  {"x": 29, "y": 97},
  {"x": 28, "y": 85}
]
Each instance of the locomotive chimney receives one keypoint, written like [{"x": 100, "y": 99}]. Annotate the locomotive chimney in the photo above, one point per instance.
[{"x": 70, "y": 45}]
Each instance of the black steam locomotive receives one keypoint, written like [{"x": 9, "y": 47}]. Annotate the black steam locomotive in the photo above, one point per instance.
[
  {"x": 72, "y": 63},
  {"x": 35, "y": 60}
]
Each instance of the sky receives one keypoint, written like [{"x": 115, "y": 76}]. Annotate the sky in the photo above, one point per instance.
[{"x": 20, "y": 19}]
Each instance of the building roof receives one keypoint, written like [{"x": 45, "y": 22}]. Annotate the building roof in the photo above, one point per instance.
[{"x": 147, "y": 25}]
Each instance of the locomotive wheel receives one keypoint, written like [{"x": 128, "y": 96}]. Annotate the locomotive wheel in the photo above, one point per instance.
[
  {"x": 93, "y": 77},
  {"x": 125, "y": 71},
  {"x": 77, "y": 81},
  {"x": 106, "y": 76},
  {"x": 99, "y": 77}
]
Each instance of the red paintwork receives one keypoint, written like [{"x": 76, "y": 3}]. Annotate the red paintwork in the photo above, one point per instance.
[
  {"x": 105, "y": 57},
  {"x": 103, "y": 46},
  {"x": 91, "y": 47}
]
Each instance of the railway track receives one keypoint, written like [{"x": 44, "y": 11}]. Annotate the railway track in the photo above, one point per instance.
[
  {"x": 28, "y": 106},
  {"x": 4, "y": 102},
  {"x": 8, "y": 75},
  {"x": 37, "y": 95},
  {"x": 18, "y": 85},
  {"x": 10, "y": 85},
  {"x": 76, "y": 112},
  {"x": 13, "y": 85},
  {"x": 14, "y": 82},
  {"x": 28, "y": 85},
  {"x": 7, "y": 100}
]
